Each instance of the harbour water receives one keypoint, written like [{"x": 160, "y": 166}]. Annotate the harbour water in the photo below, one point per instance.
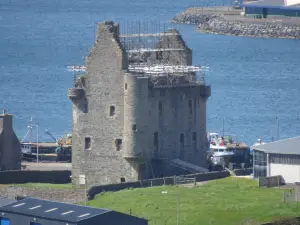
[{"x": 253, "y": 80}]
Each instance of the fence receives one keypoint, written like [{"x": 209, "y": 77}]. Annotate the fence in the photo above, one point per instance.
[
  {"x": 184, "y": 180},
  {"x": 199, "y": 177},
  {"x": 290, "y": 196},
  {"x": 274, "y": 181}
]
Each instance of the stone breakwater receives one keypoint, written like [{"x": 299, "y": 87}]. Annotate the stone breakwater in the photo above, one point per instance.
[{"x": 231, "y": 23}]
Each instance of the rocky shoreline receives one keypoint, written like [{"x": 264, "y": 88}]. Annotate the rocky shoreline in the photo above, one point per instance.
[{"x": 230, "y": 22}]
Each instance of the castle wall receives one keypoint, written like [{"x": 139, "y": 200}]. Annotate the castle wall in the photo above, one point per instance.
[
  {"x": 178, "y": 115},
  {"x": 175, "y": 57},
  {"x": 102, "y": 124}
]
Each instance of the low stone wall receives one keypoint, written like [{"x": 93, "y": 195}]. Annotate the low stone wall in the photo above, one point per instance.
[
  {"x": 63, "y": 195},
  {"x": 291, "y": 221},
  {"x": 155, "y": 182},
  {"x": 243, "y": 172},
  {"x": 219, "y": 23},
  {"x": 273, "y": 181},
  {"x": 35, "y": 176}
]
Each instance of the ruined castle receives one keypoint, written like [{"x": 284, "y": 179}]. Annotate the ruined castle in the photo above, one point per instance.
[{"x": 139, "y": 111}]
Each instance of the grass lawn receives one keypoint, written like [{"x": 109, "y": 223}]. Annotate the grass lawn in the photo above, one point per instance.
[
  {"x": 41, "y": 185},
  {"x": 228, "y": 201}
]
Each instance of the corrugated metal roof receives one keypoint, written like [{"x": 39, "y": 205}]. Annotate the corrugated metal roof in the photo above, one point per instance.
[
  {"x": 287, "y": 146},
  {"x": 6, "y": 201},
  {"x": 266, "y": 3},
  {"x": 292, "y": 6},
  {"x": 53, "y": 210}
]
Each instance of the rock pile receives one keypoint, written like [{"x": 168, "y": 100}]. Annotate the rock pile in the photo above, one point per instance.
[{"x": 217, "y": 23}]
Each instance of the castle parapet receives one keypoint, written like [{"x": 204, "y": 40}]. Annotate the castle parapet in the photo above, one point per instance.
[{"x": 75, "y": 93}]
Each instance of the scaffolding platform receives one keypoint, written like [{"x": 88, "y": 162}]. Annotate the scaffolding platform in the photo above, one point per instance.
[
  {"x": 163, "y": 69},
  {"x": 149, "y": 35},
  {"x": 154, "y": 50}
]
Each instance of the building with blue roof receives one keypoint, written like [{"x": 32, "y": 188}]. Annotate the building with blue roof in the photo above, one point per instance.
[
  {"x": 33, "y": 211},
  {"x": 266, "y": 8}
]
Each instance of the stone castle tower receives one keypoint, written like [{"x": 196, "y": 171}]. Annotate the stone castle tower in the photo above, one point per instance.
[{"x": 137, "y": 112}]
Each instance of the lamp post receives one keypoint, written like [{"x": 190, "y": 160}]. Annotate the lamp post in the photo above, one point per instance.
[
  {"x": 37, "y": 141},
  {"x": 178, "y": 205}
]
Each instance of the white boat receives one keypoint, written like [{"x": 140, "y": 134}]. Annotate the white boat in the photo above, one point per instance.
[{"x": 219, "y": 153}]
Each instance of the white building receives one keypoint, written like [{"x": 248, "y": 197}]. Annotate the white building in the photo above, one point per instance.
[{"x": 278, "y": 158}]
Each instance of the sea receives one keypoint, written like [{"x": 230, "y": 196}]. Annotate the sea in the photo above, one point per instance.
[{"x": 255, "y": 82}]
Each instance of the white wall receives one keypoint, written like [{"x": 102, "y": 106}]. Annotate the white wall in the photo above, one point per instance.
[
  {"x": 290, "y": 173},
  {"x": 291, "y": 2}
]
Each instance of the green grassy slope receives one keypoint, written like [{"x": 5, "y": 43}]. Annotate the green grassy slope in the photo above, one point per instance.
[{"x": 228, "y": 201}]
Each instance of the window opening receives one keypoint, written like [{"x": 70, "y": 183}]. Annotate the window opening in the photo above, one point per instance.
[
  {"x": 160, "y": 108},
  {"x": 190, "y": 107},
  {"x": 118, "y": 143},
  {"x": 156, "y": 141},
  {"x": 195, "y": 136},
  {"x": 87, "y": 144},
  {"x": 125, "y": 86},
  {"x": 112, "y": 111},
  {"x": 181, "y": 140},
  {"x": 122, "y": 180},
  {"x": 134, "y": 127}
]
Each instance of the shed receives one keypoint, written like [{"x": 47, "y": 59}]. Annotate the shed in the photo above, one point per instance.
[
  {"x": 265, "y": 8},
  {"x": 278, "y": 158},
  {"x": 33, "y": 211}
]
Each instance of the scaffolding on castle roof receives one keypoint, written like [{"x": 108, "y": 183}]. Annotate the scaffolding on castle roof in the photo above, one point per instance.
[
  {"x": 76, "y": 68},
  {"x": 154, "y": 50},
  {"x": 163, "y": 69},
  {"x": 149, "y": 35}
]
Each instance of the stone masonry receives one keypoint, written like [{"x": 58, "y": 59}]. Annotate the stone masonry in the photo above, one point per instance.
[
  {"x": 128, "y": 123},
  {"x": 10, "y": 147}
]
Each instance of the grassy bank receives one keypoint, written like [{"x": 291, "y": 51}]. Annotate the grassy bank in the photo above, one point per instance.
[{"x": 228, "y": 201}]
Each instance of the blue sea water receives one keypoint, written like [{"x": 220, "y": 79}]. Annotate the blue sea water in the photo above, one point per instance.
[{"x": 253, "y": 80}]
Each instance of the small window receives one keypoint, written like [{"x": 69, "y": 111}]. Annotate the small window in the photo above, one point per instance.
[
  {"x": 123, "y": 180},
  {"x": 160, "y": 108},
  {"x": 134, "y": 127},
  {"x": 118, "y": 143},
  {"x": 190, "y": 107},
  {"x": 162, "y": 93},
  {"x": 112, "y": 111},
  {"x": 87, "y": 144},
  {"x": 156, "y": 140},
  {"x": 125, "y": 86},
  {"x": 181, "y": 139},
  {"x": 194, "y": 136}
]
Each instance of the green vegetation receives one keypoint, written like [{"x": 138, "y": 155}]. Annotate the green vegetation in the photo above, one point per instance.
[
  {"x": 228, "y": 201},
  {"x": 42, "y": 185}
]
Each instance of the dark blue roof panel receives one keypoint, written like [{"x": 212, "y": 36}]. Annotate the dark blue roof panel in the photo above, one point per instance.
[
  {"x": 53, "y": 210},
  {"x": 6, "y": 201}
]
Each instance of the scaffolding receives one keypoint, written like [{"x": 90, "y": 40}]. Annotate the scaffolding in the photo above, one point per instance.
[
  {"x": 156, "y": 49},
  {"x": 163, "y": 69}
]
